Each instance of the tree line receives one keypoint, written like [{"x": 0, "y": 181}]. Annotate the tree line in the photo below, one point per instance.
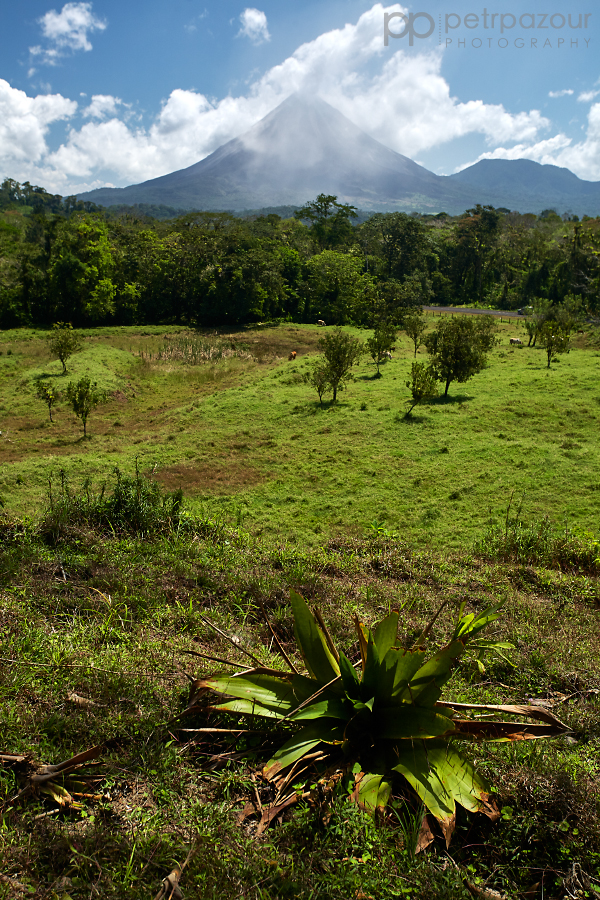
[{"x": 63, "y": 260}]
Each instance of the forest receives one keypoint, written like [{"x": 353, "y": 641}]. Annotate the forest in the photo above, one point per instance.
[{"x": 65, "y": 260}]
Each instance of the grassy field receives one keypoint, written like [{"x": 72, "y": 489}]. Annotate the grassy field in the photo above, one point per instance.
[
  {"x": 244, "y": 435},
  {"x": 356, "y": 509}
]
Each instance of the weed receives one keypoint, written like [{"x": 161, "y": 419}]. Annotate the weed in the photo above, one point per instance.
[
  {"x": 542, "y": 543},
  {"x": 132, "y": 504}
]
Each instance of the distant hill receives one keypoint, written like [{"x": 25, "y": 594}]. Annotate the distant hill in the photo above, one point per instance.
[
  {"x": 526, "y": 185},
  {"x": 305, "y": 147}
]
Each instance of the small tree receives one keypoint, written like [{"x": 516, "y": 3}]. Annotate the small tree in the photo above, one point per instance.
[
  {"x": 554, "y": 338},
  {"x": 540, "y": 312},
  {"x": 341, "y": 352},
  {"x": 570, "y": 313},
  {"x": 422, "y": 384},
  {"x": 381, "y": 343},
  {"x": 458, "y": 347},
  {"x": 415, "y": 327},
  {"x": 84, "y": 396},
  {"x": 63, "y": 342},
  {"x": 318, "y": 378},
  {"x": 48, "y": 394}
]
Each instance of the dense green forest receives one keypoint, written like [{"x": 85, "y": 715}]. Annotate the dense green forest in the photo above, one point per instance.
[{"x": 62, "y": 259}]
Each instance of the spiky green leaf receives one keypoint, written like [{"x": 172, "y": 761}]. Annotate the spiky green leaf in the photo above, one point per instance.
[
  {"x": 371, "y": 673},
  {"x": 372, "y": 792},
  {"x": 425, "y": 687},
  {"x": 441, "y": 777},
  {"x": 386, "y": 633},
  {"x": 332, "y": 707},
  {"x": 250, "y": 708},
  {"x": 327, "y": 731},
  {"x": 350, "y": 680},
  {"x": 267, "y": 691},
  {"x": 409, "y": 721},
  {"x": 317, "y": 656},
  {"x": 415, "y": 764},
  {"x": 468, "y": 626}
]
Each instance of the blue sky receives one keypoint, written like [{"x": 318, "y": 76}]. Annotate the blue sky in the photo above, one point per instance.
[{"x": 107, "y": 92}]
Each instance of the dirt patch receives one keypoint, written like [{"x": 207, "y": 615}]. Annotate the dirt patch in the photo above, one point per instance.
[
  {"x": 225, "y": 477},
  {"x": 277, "y": 343}
]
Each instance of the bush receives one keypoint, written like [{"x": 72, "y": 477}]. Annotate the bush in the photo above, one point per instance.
[
  {"x": 63, "y": 342},
  {"x": 84, "y": 396},
  {"x": 341, "y": 351}
]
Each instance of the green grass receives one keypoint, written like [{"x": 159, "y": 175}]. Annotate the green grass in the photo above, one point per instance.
[
  {"x": 354, "y": 508},
  {"x": 250, "y": 438},
  {"x": 109, "y": 618}
]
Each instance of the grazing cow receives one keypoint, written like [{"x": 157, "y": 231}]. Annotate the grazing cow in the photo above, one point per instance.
[
  {"x": 387, "y": 355},
  {"x": 292, "y": 355},
  {"x": 516, "y": 341},
  {"x": 320, "y": 322}
]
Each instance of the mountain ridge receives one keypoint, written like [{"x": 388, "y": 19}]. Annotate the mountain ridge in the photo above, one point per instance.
[{"x": 305, "y": 147}]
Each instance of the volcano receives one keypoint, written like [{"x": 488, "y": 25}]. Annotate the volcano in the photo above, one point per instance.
[
  {"x": 305, "y": 147},
  {"x": 302, "y": 148}
]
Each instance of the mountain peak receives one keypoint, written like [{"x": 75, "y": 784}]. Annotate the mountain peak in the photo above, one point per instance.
[{"x": 305, "y": 147}]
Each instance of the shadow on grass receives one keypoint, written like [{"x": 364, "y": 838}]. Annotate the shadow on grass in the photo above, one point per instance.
[
  {"x": 455, "y": 398},
  {"x": 44, "y": 375},
  {"x": 410, "y": 419},
  {"x": 71, "y": 442}
]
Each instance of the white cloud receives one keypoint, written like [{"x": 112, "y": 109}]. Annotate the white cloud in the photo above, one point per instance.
[
  {"x": 254, "y": 26},
  {"x": 66, "y": 32},
  {"x": 24, "y": 124},
  {"x": 587, "y": 96},
  {"x": 399, "y": 97},
  {"x": 566, "y": 93},
  {"x": 102, "y": 105},
  {"x": 191, "y": 27}
]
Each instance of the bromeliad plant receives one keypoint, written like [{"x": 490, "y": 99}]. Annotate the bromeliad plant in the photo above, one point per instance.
[{"x": 383, "y": 717}]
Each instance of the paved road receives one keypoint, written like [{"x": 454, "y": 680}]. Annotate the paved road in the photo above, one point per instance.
[{"x": 474, "y": 312}]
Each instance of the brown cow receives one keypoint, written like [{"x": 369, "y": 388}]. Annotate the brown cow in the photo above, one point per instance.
[{"x": 292, "y": 355}]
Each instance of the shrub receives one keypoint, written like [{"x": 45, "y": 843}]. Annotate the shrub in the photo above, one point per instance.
[
  {"x": 377, "y": 722},
  {"x": 318, "y": 378},
  {"x": 63, "y": 342},
  {"x": 422, "y": 384},
  {"x": 414, "y": 326},
  {"x": 84, "y": 396},
  {"x": 341, "y": 352},
  {"x": 553, "y": 338},
  {"x": 48, "y": 394},
  {"x": 458, "y": 347},
  {"x": 381, "y": 342}
]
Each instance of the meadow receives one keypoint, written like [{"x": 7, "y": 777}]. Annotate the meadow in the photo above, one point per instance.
[
  {"x": 244, "y": 436},
  {"x": 489, "y": 497}
]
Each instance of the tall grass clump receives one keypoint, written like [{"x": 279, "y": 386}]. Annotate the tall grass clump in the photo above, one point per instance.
[
  {"x": 540, "y": 543},
  {"x": 193, "y": 350},
  {"x": 131, "y": 504}
]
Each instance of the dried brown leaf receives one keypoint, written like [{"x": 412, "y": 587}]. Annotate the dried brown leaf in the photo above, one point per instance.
[
  {"x": 531, "y": 712},
  {"x": 504, "y": 731},
  {"x": 425, "y": 837},
  {"x": 483, "y": 893},
  {"x": 272, "y": 812},
  {"x": 81, "y": 702}
]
